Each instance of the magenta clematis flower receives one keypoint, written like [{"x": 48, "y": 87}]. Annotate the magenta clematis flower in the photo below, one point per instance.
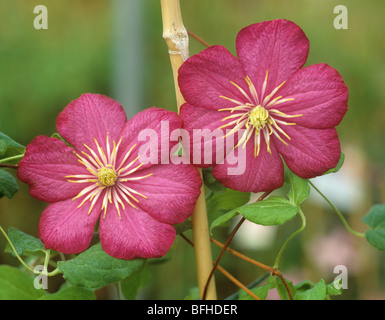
[
  {"x": 268, "y": 103},
  {"x": 102, "y": 179}
]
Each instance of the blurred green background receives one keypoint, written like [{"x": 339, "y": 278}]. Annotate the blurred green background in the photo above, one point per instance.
[{"x": 116, "y": 48}]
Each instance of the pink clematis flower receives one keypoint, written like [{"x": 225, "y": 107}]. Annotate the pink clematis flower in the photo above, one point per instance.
[
  {"x": 102, "y": 179},
  {"x": 268, "y": 103}
]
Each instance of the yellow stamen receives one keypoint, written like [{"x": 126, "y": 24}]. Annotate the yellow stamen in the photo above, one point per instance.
[
  {"x": 107, "y": 176},
  {"x": 258, "y": 117}
]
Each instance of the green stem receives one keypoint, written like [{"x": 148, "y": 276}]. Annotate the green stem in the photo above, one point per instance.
[
  {"x": 14, "y": 250},
  {"x": 46, "y": 260},
  {"x": 53, "y": 273},
  {"x": 342, "y": 218},
  {"x": 290, "y": 238},
  {"x": 12, "y": 158}
]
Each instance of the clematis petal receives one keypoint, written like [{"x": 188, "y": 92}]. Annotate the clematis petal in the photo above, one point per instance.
[
  {"x": 205, "y": 77},
  {"x": 310, "y": 152},
  {"x": 279, "y": 47},
  {"x": 171, "y": 191},
  {"x": 320, "y": 95},
  {"x": 135, "y": 235},
  {"x": 46, "y": 163},
  {"x": 262, "y": 173},
  {"x": 149, "y": 131},
  {"x": 66, "y": 228},
  {"x": 91, "y": 117},
  {"x": 206, "y": 144}
]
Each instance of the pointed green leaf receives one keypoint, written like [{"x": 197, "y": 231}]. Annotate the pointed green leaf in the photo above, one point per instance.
[
  {"x": 58, "y": 136},
  {"x": 331, "y": 289},
  {"x": 8, "y": 184},
  {"x": 24, "y": 242},
  {"x": 182, "y": 227},
  {"x": 211, "y": 183},
  {"x": 15, "y": 284},
  {"x": 223, "y": 219},
  {"x": 299, "y": 188},
  {"x": 309, "y": 291},
  {"x": 272, "y": 211},
  {"x": 261, "y": 292},
  {"x": 9, "y": 147},
  {"x": 375, "y": 219},
  {"x": 221, "y": 203},
  {"x": 94, "y": 268},
  {"x": 278, "y": 284}
]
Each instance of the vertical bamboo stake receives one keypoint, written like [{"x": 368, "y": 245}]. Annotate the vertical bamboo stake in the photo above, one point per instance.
[{"x": 176, "y": 37}]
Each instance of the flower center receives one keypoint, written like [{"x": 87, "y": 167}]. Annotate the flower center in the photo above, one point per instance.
[
  {"x": 110, "y": 178},
  {"x": 107, "y": 176},
  {"x": 258, "y": 113},
  {"x": 258, "y": 117}
]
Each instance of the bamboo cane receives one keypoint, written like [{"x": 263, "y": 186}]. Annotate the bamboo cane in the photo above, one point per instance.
[{"x": 176, "y": 37}]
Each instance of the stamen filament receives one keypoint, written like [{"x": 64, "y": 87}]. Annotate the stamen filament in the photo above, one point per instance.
[
  {"x": 236, "y": 128},
  {"x": 242, "y": 91},
  {"x": 264, "y": 85},
  {"x": 284, "y": 115},
  {"x": 85, "y": 190},
  {"x": 127, "y": 190},
  {"x": 127, "y": 167},
  {"x": 252, "y": 89},
  {"x": 136, "y": 178},
  {"x": 126, "y": 157},
  {"x": 237, "y": 108},
  {"x": 101, "y": 153},
  {"x": 268, "y": 97},
  {"x": 231, "y": 100}
]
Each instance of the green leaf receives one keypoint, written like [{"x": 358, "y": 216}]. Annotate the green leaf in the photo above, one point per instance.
[
  {"x": 58, "y": 136},
  {"x": 331, "y": 290},
  {"x": 94, "y": 268},
  {"x": 221, "y": 203},
  {"x": 70, "y": 293},
  {"x": 278, "y": 284},
  {"x": 9, "y": 147},
  {"x": 24, "y": 242},
  {"x": 182, "y": 227},
  {"x": 375, "y": 219},
  {"x": 299, "y": 188},
  {"x": 223, "y": 219},
  {"x": 8, "y": 184},
  {"x": 275, "y": 210},
  {"x": 308, "y": 291},
  {"x": 132, "y": 284},
  {"x": 261, "y": 292},
  {"x": 211, "y": 183},
  {"x": 339, "y": 165},
  {"x": 17, "y": 285}
]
